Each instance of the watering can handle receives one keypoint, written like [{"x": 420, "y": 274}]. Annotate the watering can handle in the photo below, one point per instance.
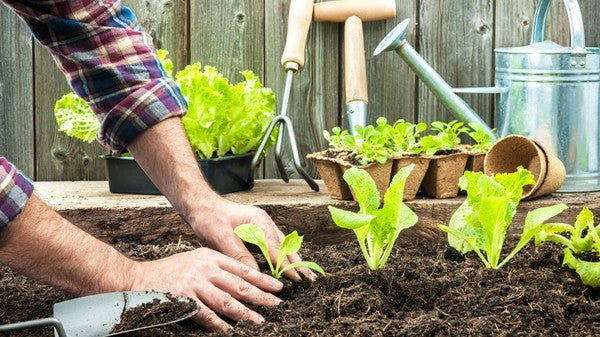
[{"x": 575, "y": 24}]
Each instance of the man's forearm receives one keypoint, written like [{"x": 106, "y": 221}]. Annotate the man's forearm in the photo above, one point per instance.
[
  {"x": 165, "y": 154},
  {"x": 41, "y": 244}
]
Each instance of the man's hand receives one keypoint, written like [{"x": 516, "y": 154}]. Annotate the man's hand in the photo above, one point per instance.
[
  {"x": 164, "y": 152},
  {"x": 217, "y": 282},
  {"x": 215, "y": 225}
]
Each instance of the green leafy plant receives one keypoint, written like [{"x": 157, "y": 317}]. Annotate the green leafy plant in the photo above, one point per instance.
[
  {"x": 482, "y": 138},
  {"x": 336, "y": 138},
  {"x": 582, "y": 239},
  {"x": 75, "y": 118},
  {"x": 431, "y": 145},
  {"x": 291, "y": 244},
  {"x": 480, "y": 224},
  {"x": 376, "y": 229},
  {"x": 225, "y": 119},
  {"x": 404, "y": 137},
  {"x": 449, "y": 132},
  {"x": 370, "y": 142},
  {"x": 163, "y": 58}
]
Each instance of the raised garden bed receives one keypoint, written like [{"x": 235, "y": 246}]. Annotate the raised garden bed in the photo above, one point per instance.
[{"x": 424, "y": 289}]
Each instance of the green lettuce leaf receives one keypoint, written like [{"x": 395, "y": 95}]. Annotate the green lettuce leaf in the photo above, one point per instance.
[
  {"x": 165, "y": 61},
  {"x": 589, "y": 272},
  {"x": 75, "y": 118},
  {"x": 225, "y": 119}
]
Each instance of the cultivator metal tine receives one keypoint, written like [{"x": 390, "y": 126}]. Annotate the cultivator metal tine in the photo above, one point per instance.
[{"x": 284, "y": 123}]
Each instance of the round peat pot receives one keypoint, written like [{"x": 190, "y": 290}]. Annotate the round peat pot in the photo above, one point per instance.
[
  {"x": 228, "y": 174},
  {"x": 126, "y": 176}
]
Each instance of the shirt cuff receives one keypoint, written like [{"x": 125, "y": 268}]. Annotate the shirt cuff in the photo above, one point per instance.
[
  {"x": 156, "y": 101},
  {"x": 15, "y": 191}
]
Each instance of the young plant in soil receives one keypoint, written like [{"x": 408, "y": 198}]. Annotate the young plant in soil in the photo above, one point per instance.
[
  {"x": 376, "y": 229},
  {"x": 291, "y": 244},
  {"x": 336, "y": 138},
  {"x": 581, "y": 245},
  {"x": 482, "y": 138},
  {"x": 404, "y": 137},
  {"x": 481, "y": 222},
  {"x": 370, "y": 142},
  {"x": 449, "y": 133}
]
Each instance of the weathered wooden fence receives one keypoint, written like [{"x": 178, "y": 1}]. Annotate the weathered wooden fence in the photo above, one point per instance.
[{"x": 457, "y": 37}]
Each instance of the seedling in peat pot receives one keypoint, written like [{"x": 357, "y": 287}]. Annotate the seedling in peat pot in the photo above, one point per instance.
[
  {"x": 481, "y": 222},
  {"x": 404, "y": 137},
  {"x": 370, "y": 142},
  {"x": 336, "y": 138},
  {"x": 482, "y": 138},
  {"x": 291, "y": 244},
  {"x": 376, "y": 229},
  {"x": 583, "y": 240}
]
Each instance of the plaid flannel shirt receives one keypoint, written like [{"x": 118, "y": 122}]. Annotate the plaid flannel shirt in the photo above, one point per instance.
[{"x": 109, "y": 62}]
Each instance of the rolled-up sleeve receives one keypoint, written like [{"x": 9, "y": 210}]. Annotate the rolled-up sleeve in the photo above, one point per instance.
[
  {"x": 109, "y": 62},
  {"x": 15, "y": 191}
]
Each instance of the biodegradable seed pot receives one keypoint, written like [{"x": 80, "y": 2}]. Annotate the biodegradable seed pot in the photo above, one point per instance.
[
  {"x": 441, "y": 179},
  {"x": 414, "y": 180},
  {"x": 331, "y": 173}
]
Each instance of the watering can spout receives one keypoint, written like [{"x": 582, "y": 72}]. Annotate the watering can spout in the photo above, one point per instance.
[{"x": 396, "y": 40}]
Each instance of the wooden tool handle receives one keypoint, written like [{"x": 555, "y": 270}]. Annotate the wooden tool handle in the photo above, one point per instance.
[
  {"x": 340, "y": 10},
  {"x": 355, "y": 72},
  {"x": 299, "y": 18}
]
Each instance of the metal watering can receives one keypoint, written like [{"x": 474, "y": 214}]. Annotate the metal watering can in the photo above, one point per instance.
[{"x": 545, "y": 91}]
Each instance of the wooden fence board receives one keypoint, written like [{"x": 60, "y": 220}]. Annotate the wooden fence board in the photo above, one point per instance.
[
  {"x": 392, "y": 83},
  {"x": 228, "y": 35},
  {"x": 314, "y": 102},
  {"x": 16, "y": 92},
  {"x": 456, "y": 39}
]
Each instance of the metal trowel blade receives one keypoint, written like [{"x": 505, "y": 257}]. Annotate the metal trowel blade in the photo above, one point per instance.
[{"x": 96, "y": 315}]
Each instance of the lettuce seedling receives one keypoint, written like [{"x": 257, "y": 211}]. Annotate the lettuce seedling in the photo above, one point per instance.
[
  {"x": 583, "y": 239},
  {"x": 370, "y": 142},
  {"x": 449, "y": 132},
  {"x": 291, "y": 244},
  {"x": 404, "y": 137},
  {"x": 481, "y": 222},
  {"x": 482, "y": 138},
  {"x": 336, "y": 138},
  {"x": 376, "y": 229}
]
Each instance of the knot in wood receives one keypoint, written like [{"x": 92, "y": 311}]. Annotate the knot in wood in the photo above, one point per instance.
[{"x": 240, "y": 17}]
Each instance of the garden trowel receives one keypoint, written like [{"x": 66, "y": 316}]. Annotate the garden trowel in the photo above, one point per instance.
[{"x": 97, "y": 315}]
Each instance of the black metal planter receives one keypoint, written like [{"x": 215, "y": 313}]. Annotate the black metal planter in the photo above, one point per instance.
[{"x": 225, "y": 175}]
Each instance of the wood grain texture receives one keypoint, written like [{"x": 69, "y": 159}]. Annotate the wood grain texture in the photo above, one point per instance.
[
  {"x": 315, "y": 96},
  {"x": 456, "y": 39},
  {"x": 514, "y": 20},
  {"x": 391, "y": 83},
  {"x": 229, "y": 35},
  {"x": 16, "y": 92},
  {"x": 167, "y": 22},
  {"x": 58, "y": 156}
]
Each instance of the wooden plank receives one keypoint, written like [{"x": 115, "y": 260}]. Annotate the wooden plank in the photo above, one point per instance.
[
  {"x": 63, "y": 158},
  {"x": 456, "y": 38},
  {"x": 392, "y": 84},
  {"x": 515, "y": 19},
  {"x": 167, "y": 22},
  {"x": 228, "y": 35},
  {"x": 58, "y": 156},
  {"x": 314, "y": 104},
  {"x": 16, "y": 92}
]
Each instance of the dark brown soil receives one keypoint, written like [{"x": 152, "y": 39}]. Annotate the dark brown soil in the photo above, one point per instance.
[
  {"x": 155, "y": 313},
  {"x": 347, "y": 156},
  {"x": 424, "y": 290}
]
